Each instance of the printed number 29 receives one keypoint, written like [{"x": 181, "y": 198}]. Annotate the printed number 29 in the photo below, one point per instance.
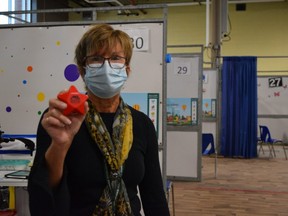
[{"x": 182, "y": 70}]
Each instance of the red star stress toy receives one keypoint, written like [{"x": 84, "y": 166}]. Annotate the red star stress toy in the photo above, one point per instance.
[{"x": 74, "y": 99}]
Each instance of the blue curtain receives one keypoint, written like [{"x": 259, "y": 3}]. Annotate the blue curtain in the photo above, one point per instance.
[{"x": 239, "y": 107}]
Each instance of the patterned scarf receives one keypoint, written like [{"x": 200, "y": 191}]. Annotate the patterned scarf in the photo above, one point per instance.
[{"x": 114, "y": 200}]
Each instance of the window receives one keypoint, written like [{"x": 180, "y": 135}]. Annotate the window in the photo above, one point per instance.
[{"x": 15, "y": 5}]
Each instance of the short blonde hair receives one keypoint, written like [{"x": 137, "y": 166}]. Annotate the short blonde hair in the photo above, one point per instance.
[{"x": 99, "y": 37}]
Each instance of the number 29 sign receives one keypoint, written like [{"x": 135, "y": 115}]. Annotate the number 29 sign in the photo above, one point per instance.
[{"x": 182, "y": 66}]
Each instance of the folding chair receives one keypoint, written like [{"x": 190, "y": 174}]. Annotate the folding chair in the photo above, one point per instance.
[
  {"x": 266, "y": 138},
  {"x": 285, "y": 145},
  {"x": 208, "y": 139},
  {"x": 260, "y": 142},
  {"x": 170, "y": 188}
]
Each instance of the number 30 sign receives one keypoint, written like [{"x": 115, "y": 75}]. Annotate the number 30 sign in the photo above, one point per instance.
[{"x": 139, "y": 38}]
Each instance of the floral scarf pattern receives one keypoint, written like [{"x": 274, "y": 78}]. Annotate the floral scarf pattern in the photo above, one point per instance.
[{"x": 114, "y": 200}]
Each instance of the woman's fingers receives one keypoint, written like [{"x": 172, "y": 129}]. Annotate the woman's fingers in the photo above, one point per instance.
[
  {"x": 58, "y": 120},
  {"x": 54, "y": 116},
  {"x": 57, "y": 104}
]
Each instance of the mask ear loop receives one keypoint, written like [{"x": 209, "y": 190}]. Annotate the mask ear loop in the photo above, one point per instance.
[
  {"x": 83, "y": 67},
  {"x": 128, "y": 69},
  {"x": 82, "y": 71}
]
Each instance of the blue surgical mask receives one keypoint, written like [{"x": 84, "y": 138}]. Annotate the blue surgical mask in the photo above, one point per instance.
[{"x": 105, "y": 82}]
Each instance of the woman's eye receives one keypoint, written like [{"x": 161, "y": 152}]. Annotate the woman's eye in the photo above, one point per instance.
[
  {"x": 97, "y": 59},
  {"x": 115, "y": 58}
]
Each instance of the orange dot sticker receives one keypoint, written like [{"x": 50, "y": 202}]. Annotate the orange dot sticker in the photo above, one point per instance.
[
  {"x": 29, "y": 68},
  {"x": 41, "y": 96}
]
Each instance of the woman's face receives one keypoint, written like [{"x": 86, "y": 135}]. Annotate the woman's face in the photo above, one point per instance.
[
  {"x": 115, "y": 51},
  {"x": 106, "y": 72}
]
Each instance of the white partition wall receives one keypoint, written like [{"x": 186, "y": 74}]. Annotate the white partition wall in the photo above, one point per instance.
[
  {"x": 272, "y": 105},
  {"x": 184, "y": 117},
  {"x": 272, "y": 95},
  {"x": 37, "y": 62}
]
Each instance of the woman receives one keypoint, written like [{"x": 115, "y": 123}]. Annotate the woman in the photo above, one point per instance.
[{"x": 95, "y": 163}]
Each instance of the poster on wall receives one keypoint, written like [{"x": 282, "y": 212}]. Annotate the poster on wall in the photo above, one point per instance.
[
  {"x": 182, "y": 111},
  {"x": 148, "y": 103},
  {"x": 209, "y": 108}
]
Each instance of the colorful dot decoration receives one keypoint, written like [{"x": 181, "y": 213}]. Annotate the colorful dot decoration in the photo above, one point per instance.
[
  {"x": 31, "y": 71},
  {"x": 40, "y": 96},
  {"x": 29, "y": 68},
  {"x": 71, "y": 73},
  {"x": 8, "y": 109}
]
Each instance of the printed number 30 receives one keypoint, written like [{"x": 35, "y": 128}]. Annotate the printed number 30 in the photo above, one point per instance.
[{"x": 138, "y": 43}]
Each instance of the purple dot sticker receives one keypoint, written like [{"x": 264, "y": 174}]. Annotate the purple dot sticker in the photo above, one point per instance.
[
  {"x": 71, "y": 73},
  {"x": 8, "y": 109}
]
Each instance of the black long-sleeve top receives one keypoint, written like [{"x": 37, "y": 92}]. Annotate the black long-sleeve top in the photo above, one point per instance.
[{"x": 84, "y": 177}]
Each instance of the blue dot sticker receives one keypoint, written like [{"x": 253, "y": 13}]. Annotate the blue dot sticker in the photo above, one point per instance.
[
  {"x": 71, "y": 73},
  {"x": 8, "y": 109}
]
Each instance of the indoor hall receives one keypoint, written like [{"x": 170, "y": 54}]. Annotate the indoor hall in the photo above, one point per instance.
[{"x": 254, "y": 28}]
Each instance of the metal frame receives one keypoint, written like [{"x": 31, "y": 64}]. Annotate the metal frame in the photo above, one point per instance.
[{"x": 194, "y": 128}]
